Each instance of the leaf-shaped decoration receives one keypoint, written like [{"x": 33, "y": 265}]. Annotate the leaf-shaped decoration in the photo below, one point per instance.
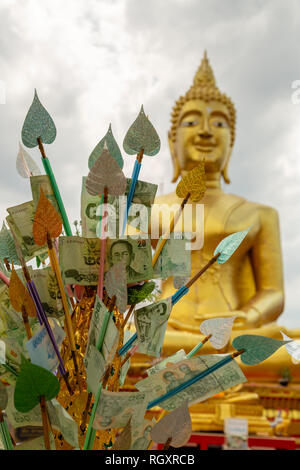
[
  {"x": 176, "y": 425},
  {"x": 105, "y": 173},
  {"x": 180, "y": 281},
  {"x": 46, "y": 221},
  {"x": 141, "y": 135},
  {"x": 19, "y": 296},
  {"x": 123, "y": 441},
  {"x": 193, "y": 183},
  {"x": 257, "y": 348},
  {"x": 7, "y": 246},
  {"x": 229, "y": 245},
  {"x": 220, "y": 329},
  {"x": 116, "y": 284},
  {"x": 32, "y": 383},
  {"x": 3, "y": 396},
  {"x": 139, "y": 293},
  {"x": 112, "y": 147},
  {"x": 26, "y": 166},
  {"x": 38, "y": 123},
  {"x": 293, "y": 348}
]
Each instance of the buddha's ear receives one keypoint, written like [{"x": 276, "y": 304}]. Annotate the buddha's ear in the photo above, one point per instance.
[
  {"x": 224, "y": 172},
  {"x": 176, "y": 168}
]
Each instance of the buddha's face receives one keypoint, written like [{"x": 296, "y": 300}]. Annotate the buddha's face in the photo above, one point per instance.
[{"x": 203, "y": 132}]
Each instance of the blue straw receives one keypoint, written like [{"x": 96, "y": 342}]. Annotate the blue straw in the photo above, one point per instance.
[
  {"x": 134, "y": 178},
  {"x": 174, "y": 299},
  {"x": 193, "y": 380},
  {"x": 178, "y": 294},
  {"x": 127, "y": 345}
]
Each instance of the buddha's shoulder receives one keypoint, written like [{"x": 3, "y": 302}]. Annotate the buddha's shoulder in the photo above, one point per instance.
[
  {"x": 240, "y": 203},
  {"x": 243, "y": 212}
]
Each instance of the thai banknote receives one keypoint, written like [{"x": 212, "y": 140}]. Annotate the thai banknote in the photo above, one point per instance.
[
  {"x": 95, "y": 368},
  {"x": 61, "y": 420},
  {"x": 151, "y": 323},
  {"x": 20, "y": 221},
  {"x": 9, "y": 318},
  {"x": 36, "y": 444},
  {"x": 18, "y": 419},
  {"x": 90, "y": 209},
  {"x": 141, "y": 435},
  {"x": 42, "y": 182},
  {"x": 96, "y": 361},
  {"x": 137, "y": 255},
  {"x": 115, "y": 409},
  {"x": 115, "y": 283},
  {"x": 178, "y": 356},
  {"x": 175, "y": 259},
  {"x": 125, "y": 367},
  {"x": 47, "y": 287},
  {"x": 79, "y": 259},
  {"x": 176, "y": 374},
  {"x": 41, "y": 349}
]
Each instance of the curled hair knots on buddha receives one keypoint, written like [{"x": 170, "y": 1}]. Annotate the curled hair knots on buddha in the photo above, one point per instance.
[{"x": 204, "y": 88}]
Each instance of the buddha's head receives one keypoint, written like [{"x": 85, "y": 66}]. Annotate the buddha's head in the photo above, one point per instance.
[{"x": 203, "y": 126}]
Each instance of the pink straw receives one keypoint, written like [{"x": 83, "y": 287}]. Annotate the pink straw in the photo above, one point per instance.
[
  {"x": 4, "y": 278},
  {"x": 102, "y": 251}
]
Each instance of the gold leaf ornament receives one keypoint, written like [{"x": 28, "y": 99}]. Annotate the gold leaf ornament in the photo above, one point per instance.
[
  {"x": 193, "y": 183},
  {"x": 19, "y": 296},
  {"x": 46, "y": 221}
]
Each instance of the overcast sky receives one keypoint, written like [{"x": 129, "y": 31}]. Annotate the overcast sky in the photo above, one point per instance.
[{"x": 94, "y": 62}]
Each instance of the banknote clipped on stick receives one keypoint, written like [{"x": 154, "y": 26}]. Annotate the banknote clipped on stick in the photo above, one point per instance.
[
  {"x": 96, "y": 361},
  {"x": 139, "y": 214},
  {"x": 116, "y": 408},
  {"x": 151, "y": 323},
  {"x": 20, "y": 221},
  {"x": 175, "y": 258},
  {"x": 176, "y": 374},
  {"x": 79, "y": 259}
]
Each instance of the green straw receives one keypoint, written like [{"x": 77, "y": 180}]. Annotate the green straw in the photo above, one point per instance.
[
  {"x": 48, "y": 170},
  {"x": 91, "y": 432},
  {"x": 197, "y": 347},
  {"x": 5, "y": 436},
  {"x": 10, "y": 369}
]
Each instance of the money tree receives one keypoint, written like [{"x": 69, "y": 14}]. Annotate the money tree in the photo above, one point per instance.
[{"x": 79, "y": 307}]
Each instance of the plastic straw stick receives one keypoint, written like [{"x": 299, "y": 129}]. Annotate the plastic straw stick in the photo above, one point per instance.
[
  {"x": 194, "y": 379},
  {"x": 49, "y": 172},
  {"x": 68, "y": 322},
  {"x": 102, "y": 246},
  {"x": 198, "y": 346},
  {"x": 91, "y": 432},
  {"x": 166, "y": 235},
  {"x": 4, "y": 278},
  {"x": 43, "y": 319},
  {"x": 134, "y": 179}
]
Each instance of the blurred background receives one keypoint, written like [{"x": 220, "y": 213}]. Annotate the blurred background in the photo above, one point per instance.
[{"x": 94, "y": 62}]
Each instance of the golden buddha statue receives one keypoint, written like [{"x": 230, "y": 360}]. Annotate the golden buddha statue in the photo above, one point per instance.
[{"x": 250, "y": 284}]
